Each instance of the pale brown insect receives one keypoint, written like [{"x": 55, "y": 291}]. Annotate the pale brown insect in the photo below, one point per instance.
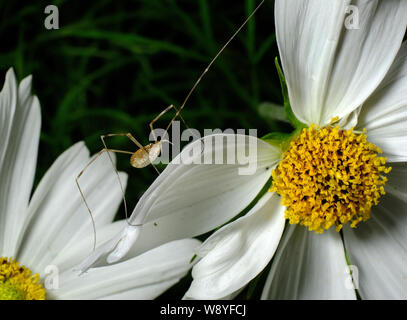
[{"x": 145, "y": 155}]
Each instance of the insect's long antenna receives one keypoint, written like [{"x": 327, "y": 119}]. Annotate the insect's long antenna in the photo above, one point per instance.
[{"x": 210, "y": 64}]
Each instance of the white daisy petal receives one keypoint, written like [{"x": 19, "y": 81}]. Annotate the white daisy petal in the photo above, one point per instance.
[
  {"x": 237, "y": 253},
  {"x": 231, "y": 296},
  {"x": 351, "y": 120},
  {"x": 309, "y": 266},
  {"x": 18, "y": 169},
  {"x": 8, "y": 101},
  {"x": 397, "y": 184},
  {"x": 330, "y": 69},
  {"x": 59, "y": 215},
  {"x": 148, "y": 292},
  {"x": 147, "y": 275},
  {"x": 76, "y": 251},
  {"x": 384, "y": 114},
  {"x": 378, "y": 247},
  {"x": 209, "y": 188},
  {"x": 190, "y": 199}
]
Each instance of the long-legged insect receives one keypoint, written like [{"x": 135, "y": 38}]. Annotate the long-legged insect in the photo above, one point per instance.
[{"x": 145, "y": 155}]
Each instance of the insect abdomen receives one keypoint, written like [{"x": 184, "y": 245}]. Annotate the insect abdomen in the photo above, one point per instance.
[{"x": 143, "y": 157}]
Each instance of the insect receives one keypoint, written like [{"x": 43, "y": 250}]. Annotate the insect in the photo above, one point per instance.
[{"x": 145, "y": 155}]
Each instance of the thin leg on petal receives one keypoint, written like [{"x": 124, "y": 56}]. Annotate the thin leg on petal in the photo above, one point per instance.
[
  {"x": 134, "y": 140},
  {"x": 82, "y": 194}
]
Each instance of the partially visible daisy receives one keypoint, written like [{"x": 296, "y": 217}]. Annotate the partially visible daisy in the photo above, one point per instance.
[
  {"x": 328, "y": 177},
  {"x": 43, "y": 238}
]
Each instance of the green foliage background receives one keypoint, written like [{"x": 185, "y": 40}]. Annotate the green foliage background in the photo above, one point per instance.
[{"x": 114, "y": 65}]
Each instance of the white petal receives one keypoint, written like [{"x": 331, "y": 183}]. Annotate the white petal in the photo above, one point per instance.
[
  {"x": 397, "y": 184},
  {"x": 331, "y": 70},
  {"x": 384, "y": 114},
  {"x": 8, "y": 101},
  {"x": 148, "y": 292},
  {"x": 378, "y": 247},
  {"x": 99, "y": 256},
  {"x": 190, "y": 199},
  {"x": 351, "y": 120},
  {"x": 146, "y": 276},
  {"x": 207, "y": 189},
  {"x": 59, "y": 215},
  {"x": 77, "y": 251},
  {"x": 238, "y": 252},
  {"x": 18, "y": 169},
  {"x": 231, "y": 296},
  {"x": 309, "y": 266}
]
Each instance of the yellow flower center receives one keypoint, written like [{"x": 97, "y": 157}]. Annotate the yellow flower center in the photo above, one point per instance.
[
  {"x": 329, "y": 176},
  {"x": 18, "y": 283}
]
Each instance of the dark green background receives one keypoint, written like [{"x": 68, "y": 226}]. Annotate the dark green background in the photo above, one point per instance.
[{"x": 113, "y": 65}]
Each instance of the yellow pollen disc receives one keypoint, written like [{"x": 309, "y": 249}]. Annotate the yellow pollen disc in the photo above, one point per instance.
[
  {"x": 330, "y": 177},
  {"x": 18, "y": 283}
]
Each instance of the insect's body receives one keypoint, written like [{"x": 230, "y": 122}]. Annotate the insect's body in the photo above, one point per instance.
[{"x": 145, "y": 156}]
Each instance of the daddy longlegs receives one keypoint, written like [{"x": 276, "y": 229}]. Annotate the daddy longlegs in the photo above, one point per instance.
[{"x": 145, "y": 155}]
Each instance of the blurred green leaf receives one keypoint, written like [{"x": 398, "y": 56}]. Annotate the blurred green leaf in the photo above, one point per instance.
[
  {"x": 287, "y": 106},
  {"x": 272, "y": 112}
]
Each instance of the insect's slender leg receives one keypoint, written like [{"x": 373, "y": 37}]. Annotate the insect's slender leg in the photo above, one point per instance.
[
  {"x": 156, "y": 118},
  {"x": 114, "y": 167},
  {"x": 182, "y": 119},
  {"x": 161, "y": 114},
  {"x": 134, "y": 140},
  {"x": 80, "y": 189},
  {"x": 138, "y": 144},
  {"x": 166, "y": 130},
  {"x": 128, "y": 135}
]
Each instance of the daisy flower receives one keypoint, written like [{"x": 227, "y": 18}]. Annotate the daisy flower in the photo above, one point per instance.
[
  {"x": 43, "y": 237},
  {"x": 330, "y": 177},
  {"x": 338, "y": 179}
]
